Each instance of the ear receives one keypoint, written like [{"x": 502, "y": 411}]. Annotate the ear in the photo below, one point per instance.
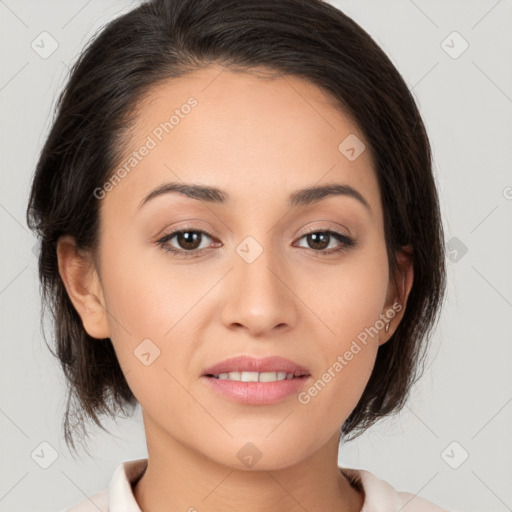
[
  {"x": 398, "y": 294},
  {"x": 82, "y": 283}
]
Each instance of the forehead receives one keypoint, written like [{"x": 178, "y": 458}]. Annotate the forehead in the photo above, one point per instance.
[{"x": 252, "y": 136}]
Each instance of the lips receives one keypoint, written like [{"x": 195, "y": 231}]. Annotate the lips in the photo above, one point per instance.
[{"x": 252, "y": 364}]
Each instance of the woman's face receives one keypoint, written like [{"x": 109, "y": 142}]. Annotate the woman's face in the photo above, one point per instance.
[{"x": 258, "y": 286}]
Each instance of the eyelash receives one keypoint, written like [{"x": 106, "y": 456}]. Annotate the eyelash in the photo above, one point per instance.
[{"x": 346, "y": 242}]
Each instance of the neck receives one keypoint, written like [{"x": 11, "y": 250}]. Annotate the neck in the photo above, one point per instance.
[{"x": 180, "y": 478}]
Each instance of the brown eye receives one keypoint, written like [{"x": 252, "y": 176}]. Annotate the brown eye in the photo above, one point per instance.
[
  {"x": 319, "y": 241},
  {"x": 187, "y": 243},
  {"x": 188, "y": 240}
]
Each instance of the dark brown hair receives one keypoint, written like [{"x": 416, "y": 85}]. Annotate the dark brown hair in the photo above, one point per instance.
[{"x": 164, "y": 39}]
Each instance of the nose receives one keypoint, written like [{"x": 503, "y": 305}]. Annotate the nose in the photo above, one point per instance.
[{"x": 259, "y": 294}]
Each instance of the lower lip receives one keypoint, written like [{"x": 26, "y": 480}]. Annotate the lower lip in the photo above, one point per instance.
[{"x": 257, "y": 393}]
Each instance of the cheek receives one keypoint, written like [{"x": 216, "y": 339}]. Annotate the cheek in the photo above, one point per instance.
[
  {"x": 145, "y": 291},
  {"x": 152, "y": 309},
  {"x": 349, "y": 297},
  {"x": 349, "y": 301}
]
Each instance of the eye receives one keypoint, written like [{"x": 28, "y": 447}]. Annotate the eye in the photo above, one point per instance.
[
  {"x": 189, "y": 242},
  {"x": 321, "y": 240}
]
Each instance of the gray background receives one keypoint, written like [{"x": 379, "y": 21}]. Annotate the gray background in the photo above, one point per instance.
[{"x": 465, "y": 395}]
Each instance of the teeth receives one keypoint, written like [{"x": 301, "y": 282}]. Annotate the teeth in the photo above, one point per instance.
[{"x": 254, "y": 376}]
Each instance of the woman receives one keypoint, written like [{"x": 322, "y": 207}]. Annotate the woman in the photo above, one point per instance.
[{"x": 241, "y": 233}]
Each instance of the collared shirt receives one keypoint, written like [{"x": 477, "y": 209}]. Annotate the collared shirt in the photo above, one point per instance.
[{"x": 379, "y": 496}]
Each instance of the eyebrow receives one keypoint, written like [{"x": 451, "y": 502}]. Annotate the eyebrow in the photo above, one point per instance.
[{"x": 216, "y": 195}]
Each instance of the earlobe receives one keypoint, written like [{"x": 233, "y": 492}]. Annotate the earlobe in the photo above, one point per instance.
[
  {"x": 83, "y": 286},
  {"x": 398, "y": 295}
]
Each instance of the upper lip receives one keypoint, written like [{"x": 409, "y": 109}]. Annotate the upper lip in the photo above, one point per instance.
[{"x": 253, "y": 364}]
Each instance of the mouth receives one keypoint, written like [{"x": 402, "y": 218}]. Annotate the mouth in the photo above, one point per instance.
[
  {"x": 256, "y": 381},
  {"x": 256, "y": 376},
  {"x": 252, "y": 369}
]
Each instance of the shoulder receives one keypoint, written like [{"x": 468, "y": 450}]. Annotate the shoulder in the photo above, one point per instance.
[
  {"x": 118, "y": 496},
  {"x": 380, "y": 496},
  {"x": 96, "y": 503}
]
